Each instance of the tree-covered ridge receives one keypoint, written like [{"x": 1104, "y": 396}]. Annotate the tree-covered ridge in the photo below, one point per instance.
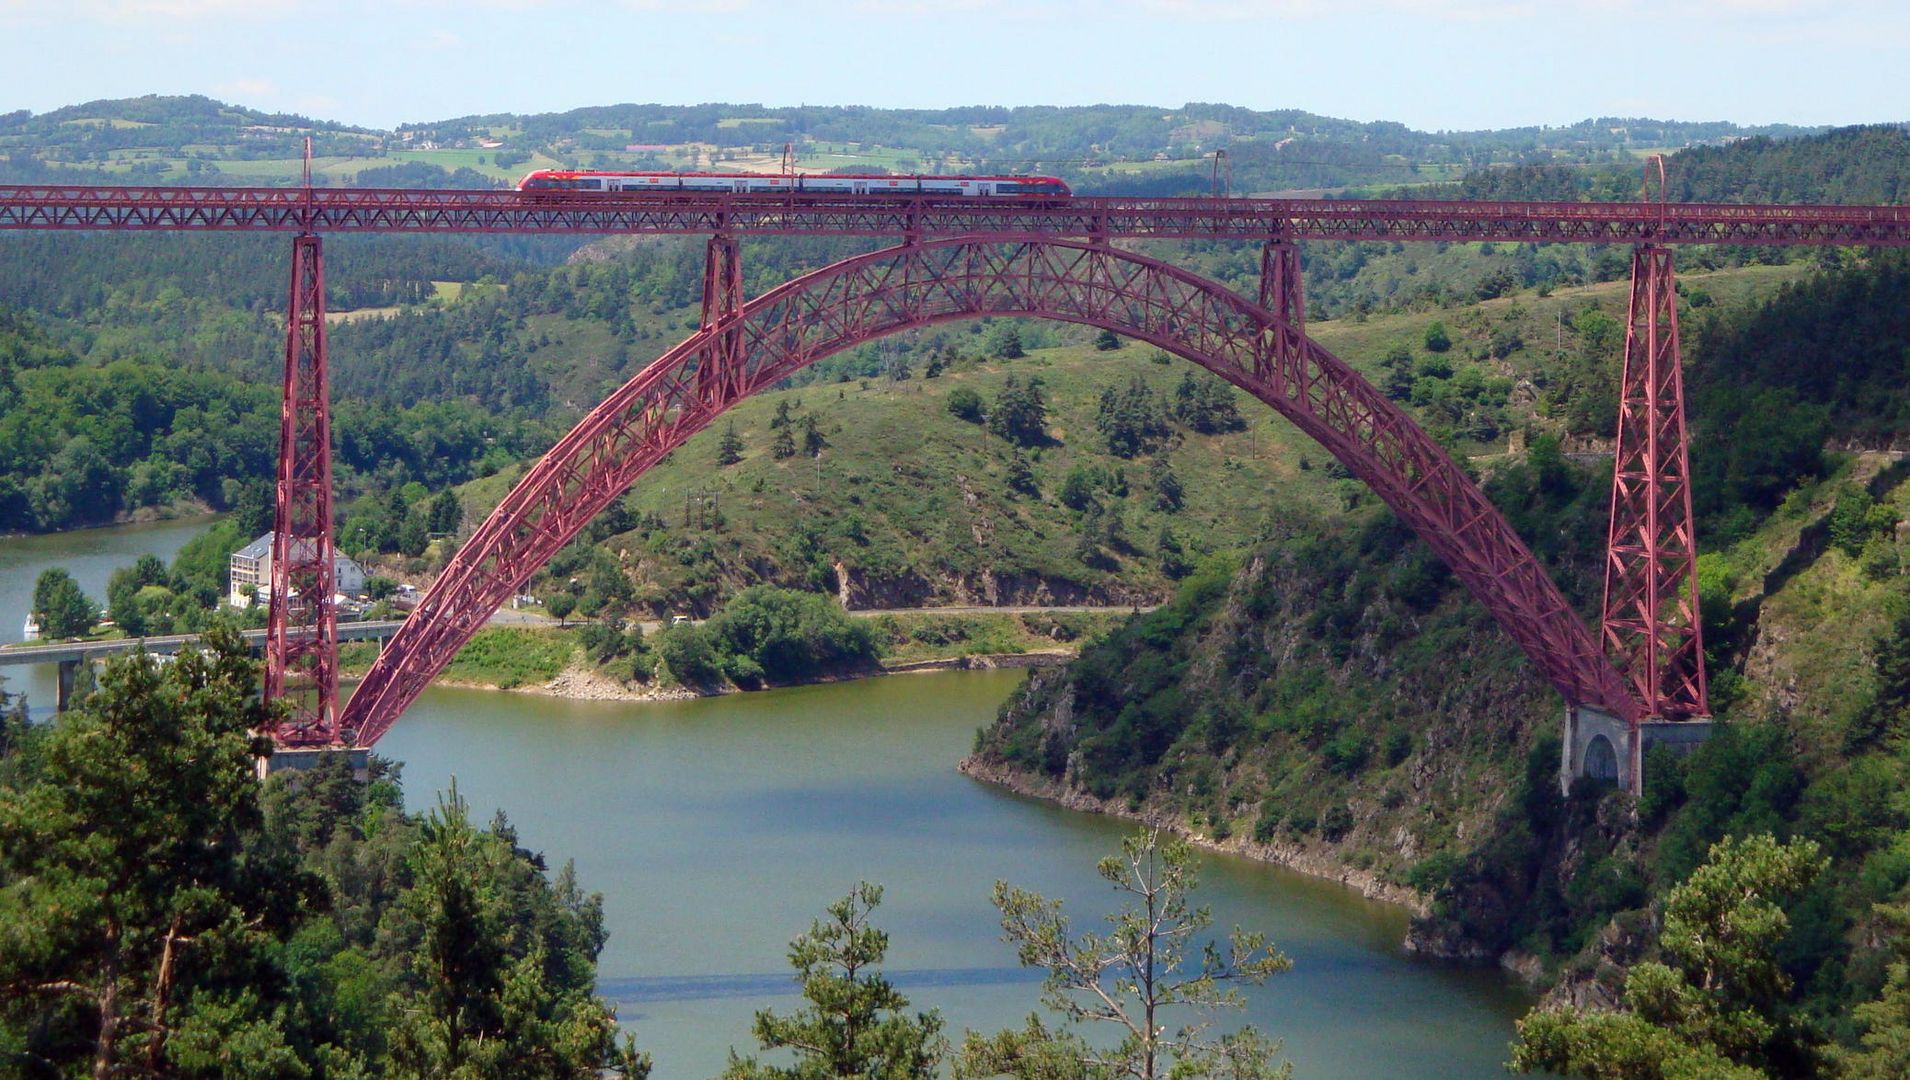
[
  {"x": 1863, "y": 164},
  {"x": 84, "y": 445},
  {"x": 1140, "y": 149}
]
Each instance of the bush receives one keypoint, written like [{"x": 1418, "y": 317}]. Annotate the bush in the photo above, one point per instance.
[
  {"x": 687, "y": 652},
  {"x": 788, "y": 636},
  {"x": 965, "y": 404},
  {"x": 1336, "y": 823}
]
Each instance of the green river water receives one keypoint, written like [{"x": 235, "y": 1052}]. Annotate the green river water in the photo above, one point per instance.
[{"x": 717, "y": 829}]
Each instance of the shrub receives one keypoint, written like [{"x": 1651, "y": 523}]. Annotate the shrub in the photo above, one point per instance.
[{"x": 965, "y": 404}]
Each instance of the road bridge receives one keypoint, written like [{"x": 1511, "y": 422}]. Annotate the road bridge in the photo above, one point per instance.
[{"x": 69, "y": 655}]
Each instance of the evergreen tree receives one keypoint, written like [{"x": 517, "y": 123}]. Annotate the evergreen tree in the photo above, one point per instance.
[
  {"x": 1131, "y": 420},
  {"x": 784, "y": 445},
  {"x": 1206, "y": 404},
  {"x": 1884, "y": 1052},
  {"x": 1005, "y": 342},
  {"x": 1020, "y": 414},
  {"x": 782, "y": 419},
  {"x": 447, "y": 513},
  {"x": 1174, "y": 562},
  {"x": 813, "y": 444},
  {"x": 1132, "y": 979},
  {"x": 1713, "y": 1010},
  {"x": 131, "y": 899},
  {"x": 1167, "y": 489},
  {"x": 855, "y": 1025},
  {"x": 729, "y": 450},
  {"x": 415, "y": 535},
  {"x": 1021, "y": 477},
  {"x": 1107, "y": 341},
  {"x": 59, "y": 606},
  {"x": 1437, "y": 340},
  {"x": 1077, "y": 489},
  {"x": 482, "y": 1005},
  {"x": 1397, "y": 383}
]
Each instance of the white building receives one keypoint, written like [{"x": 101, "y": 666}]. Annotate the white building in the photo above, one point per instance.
[{"x": 252, "y": 565}]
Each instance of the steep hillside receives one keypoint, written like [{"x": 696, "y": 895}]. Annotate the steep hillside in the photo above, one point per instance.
[{"x": 1336, "y": 702}]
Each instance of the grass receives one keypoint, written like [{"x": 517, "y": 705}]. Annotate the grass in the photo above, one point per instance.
[
  {"x": 913, "y": 638},
  {"x": 507, "y": 657},
  {"x": 914, "y": 504}
]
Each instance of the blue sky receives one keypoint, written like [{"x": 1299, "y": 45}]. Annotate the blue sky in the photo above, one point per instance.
[{"x": 1427, "y": 63}]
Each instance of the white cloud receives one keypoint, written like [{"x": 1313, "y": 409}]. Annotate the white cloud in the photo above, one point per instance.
[{"x": 247, "y": 91}]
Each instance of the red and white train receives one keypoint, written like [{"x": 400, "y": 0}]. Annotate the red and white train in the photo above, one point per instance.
[{"x": 1048, "y": 187}]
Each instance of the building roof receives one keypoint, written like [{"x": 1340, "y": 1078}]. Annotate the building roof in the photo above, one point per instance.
[
  {"x": 257, "y": 549},
  {"x": 262, "y": 547}
]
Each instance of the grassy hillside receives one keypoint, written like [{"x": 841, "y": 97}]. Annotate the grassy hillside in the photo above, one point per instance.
[{"x": 909, "y": 504}]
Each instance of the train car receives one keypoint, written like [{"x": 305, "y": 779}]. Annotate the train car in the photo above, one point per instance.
[{"x": 822, "y": 184}]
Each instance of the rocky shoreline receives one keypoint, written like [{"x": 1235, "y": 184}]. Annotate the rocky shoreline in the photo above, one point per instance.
[{"x": 1322, "y": 863}]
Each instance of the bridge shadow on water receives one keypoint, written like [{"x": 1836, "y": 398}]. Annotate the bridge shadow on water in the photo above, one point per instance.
[{"x": 639, "y": 990}]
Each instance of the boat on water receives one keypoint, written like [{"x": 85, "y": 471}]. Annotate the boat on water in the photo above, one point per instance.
[{"x": 32, "y": 628}]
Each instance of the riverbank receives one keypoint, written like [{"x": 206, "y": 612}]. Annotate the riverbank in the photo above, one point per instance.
[
  {"x": 552, "y": 661},
  {"x": 581, "y": 682},
  {"x": 1321, "y": 860}
]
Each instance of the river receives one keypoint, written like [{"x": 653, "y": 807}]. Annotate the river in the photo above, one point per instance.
[
  {"x": 717, "y": 829},
  {"x": 91, "y": 556}
]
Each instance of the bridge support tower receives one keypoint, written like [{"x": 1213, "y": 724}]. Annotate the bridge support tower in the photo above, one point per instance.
[
  {"x": 301, "y": 645},
  {"x": 1650, "y": 623}
]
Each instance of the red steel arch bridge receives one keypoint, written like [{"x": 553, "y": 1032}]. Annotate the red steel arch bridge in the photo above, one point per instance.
[{"x": 1642, "y": 666}]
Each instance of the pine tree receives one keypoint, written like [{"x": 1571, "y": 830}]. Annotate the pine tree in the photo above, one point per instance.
[
  {"x": 855, "y": 1025},
  {"x": 1020, "y": 414},
  {"x": 1107, "y": 341},
  {"x": 447, "y": 513},
  {"x": 144, "y": 894},
  {"x": 1714, "y": 1009},
  {"x": 1174, "y": 564},
  {"x": 1131, "y": 420},
  {"x": 1167, "y": 489},
  {"x": 729, "y": 450},
  {"x": 782, "y": 418},
  {"x": 1021, "y": 477},
  {"x": 784, "y": 445},
  {"x": 1129, "y": 979},
  {"x": 813, "y": 443}
]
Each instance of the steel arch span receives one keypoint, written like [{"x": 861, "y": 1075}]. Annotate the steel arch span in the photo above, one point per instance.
[{"x": 757, "y": 344}]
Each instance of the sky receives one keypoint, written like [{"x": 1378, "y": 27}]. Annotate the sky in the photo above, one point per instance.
[{"x": 1431, "y": 64}]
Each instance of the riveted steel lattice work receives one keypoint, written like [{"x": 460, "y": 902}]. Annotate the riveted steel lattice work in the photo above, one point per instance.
[
  {"x": 73, "y": 206},
  {"x": 1651, "y": 626},
  {"x": 302, "y": 631},
  {"x": 866, "y": 297}
]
